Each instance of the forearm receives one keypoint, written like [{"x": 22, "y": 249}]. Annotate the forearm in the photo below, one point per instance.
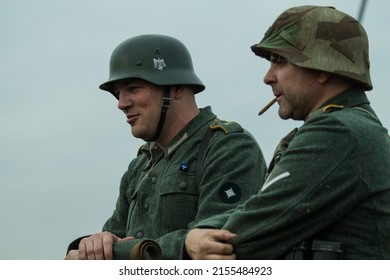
[{"x": 302, "y": 198}]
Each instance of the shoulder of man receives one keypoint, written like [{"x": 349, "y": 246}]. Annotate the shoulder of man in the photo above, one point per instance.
[
  {"x": 330, "y": 108},
  {"x": 226, "y": 126}
]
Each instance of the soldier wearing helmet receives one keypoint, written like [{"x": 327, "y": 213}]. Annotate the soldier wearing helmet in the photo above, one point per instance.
[
  {"x": 192, "y": 165},
  {"x": 327, "y": 192}
]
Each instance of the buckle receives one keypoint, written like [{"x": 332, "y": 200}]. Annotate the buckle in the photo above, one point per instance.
[{"x": 165, "y": 102}]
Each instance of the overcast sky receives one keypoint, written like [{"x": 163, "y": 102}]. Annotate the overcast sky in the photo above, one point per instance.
[{"x": 65, "y": 145}]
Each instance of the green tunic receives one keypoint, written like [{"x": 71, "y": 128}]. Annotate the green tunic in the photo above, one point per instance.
[
  {"x": 159, "y": 198},
  {"x": 332, "y": 183}
]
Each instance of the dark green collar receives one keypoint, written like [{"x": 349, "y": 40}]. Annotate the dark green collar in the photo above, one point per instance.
[
  {"x": 205, "y": 115},
  {"x": 352, "y": 97}
]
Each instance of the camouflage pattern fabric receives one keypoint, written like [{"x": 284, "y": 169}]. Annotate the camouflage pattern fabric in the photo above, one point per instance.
[{"x": 320, "y": 38}]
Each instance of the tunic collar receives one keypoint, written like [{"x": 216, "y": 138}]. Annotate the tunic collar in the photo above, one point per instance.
[
  {"x": 205, "y": 115},
  {"x": 352, "y": 97}
]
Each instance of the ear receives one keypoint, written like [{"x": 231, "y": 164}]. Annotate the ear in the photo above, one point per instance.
[
  {"x": 323, "y": 77},
  {"x": 178, "y": 91}
]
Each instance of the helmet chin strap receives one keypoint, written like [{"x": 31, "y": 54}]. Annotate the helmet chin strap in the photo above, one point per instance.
[{"x": 164, "y": 108}]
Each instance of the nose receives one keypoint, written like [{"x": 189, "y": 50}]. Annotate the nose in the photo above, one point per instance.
[
  {"x": 269, "y": 77},
  {"x": 123, "y": 101}
]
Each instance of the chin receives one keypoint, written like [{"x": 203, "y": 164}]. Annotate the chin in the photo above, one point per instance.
[
  {"x": 283, "y": 116},
  {"x": 135, "y": 133}
]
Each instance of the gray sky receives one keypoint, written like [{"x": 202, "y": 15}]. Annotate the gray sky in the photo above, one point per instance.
[{"x": 65, "y": 145}]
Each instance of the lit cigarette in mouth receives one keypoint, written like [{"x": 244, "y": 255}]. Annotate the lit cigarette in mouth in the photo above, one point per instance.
[{"x": 267, "y": 106}]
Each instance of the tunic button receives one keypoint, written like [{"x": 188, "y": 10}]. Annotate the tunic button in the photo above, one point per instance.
[
  {"x": 153, "y": 179},
  {"x": 139, "y": 234},
  {"x": 146, "y": 207},
  {"x": 183, "y": 185}
]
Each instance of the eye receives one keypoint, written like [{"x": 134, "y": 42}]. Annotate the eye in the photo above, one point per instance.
[
  {"x": 133, "y": 88},
  {"x": 275, "y": 58}
]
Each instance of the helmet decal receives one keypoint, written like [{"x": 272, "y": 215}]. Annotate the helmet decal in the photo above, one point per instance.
[{"x": 159, "y": 64}]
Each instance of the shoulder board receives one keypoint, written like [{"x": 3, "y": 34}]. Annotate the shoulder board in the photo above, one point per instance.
[
  {"x": 332, "y": 107},
  {"x": 226, "y": 126}
]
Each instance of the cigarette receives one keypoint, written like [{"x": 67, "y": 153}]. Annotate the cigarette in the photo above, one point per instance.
[{"x": 267, "y": 106}]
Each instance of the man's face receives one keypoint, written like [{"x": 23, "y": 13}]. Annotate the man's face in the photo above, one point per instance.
[
  {"x": 141, "y": 103},
  {"x": 297, "y": 89}
]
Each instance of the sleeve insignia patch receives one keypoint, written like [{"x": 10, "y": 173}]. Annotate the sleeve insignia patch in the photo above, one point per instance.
[{"x": 230, "y": 193}]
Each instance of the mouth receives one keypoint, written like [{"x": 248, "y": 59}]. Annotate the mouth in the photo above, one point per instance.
[
  {"x": 278, "y": 96},
  {"x": 131, "y": 118},
  {"x": 277, "y": 93}
]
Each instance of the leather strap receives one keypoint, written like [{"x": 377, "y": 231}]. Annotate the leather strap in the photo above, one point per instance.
[
  {"x": 201, "y": 155},
  {"x": 146, "y": 249}
]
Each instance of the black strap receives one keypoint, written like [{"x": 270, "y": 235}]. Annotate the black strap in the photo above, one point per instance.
[
  {"x": 201, "y": 155},
  {"x": 164, "y": 108}
]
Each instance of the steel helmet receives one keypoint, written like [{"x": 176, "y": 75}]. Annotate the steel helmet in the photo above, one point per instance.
[
  {"x": 320, "y": 38},
  {"x": 159, "y": 59}
]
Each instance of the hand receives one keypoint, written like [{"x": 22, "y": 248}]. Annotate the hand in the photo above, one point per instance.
[
  {"x": 210, "y": 244},
  {"x": 72, "y": 255},
  {"x": 98, "y": 246}
]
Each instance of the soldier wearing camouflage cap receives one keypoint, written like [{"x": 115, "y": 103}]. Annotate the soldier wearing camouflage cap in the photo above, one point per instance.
[
  {"x": 193, "y": 165},
  {"x": 327, "y": 192}
]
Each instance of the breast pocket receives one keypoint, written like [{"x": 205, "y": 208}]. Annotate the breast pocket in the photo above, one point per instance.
[{"x": 179, "y": 200}]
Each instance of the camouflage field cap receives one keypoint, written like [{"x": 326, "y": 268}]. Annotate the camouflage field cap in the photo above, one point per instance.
[
  {"x": 159, "y": 59},
  {"x": 320, "y": 38}
]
